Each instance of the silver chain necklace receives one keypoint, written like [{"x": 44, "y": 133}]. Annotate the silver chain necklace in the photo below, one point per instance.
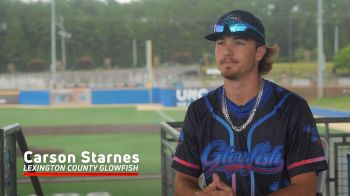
[{"x": 252, "y": 113}]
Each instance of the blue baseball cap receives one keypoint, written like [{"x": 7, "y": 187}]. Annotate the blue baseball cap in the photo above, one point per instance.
[{"x": 239, "y": 23}]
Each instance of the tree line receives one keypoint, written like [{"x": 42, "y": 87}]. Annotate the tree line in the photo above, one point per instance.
[{"x": 102, "y": 32}]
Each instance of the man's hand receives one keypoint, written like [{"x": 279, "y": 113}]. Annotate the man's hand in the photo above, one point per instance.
[
  {"x": 217, "y": 188},
  {"x": 302, "y": 184}
]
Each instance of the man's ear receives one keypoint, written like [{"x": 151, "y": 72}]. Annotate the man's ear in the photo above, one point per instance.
[{"x": 260, "y": 52}]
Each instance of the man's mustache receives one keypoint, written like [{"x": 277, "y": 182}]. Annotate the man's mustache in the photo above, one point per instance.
[{"x": 228, "y": 60}]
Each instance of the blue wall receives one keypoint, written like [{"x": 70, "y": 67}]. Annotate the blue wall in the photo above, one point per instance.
[
  {"x": 119, "y": 96},
  {"x": 34, "y": 97},
  {"x": 166, "y": 97}
]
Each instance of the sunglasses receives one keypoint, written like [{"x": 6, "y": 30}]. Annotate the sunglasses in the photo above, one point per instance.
[{"x": 235, "y": 26}]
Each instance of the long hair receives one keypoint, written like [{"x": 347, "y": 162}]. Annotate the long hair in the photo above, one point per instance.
[{"x": 265, "y": 65}]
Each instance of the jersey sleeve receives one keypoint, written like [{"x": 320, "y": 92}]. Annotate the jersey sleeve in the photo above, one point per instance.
[
  {"x": 187, "y": 156},
  {"x": 304, "y": 150}
]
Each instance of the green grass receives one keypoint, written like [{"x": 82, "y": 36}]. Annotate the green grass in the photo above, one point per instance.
[
  {"x": 177, "y": 115},
  {"x": 147, "y": 145},
  {"x": 340, "y": 103},
  {"x": 322, "y": 130},
  {"x": 83, "y": 116},
  {"x": 144, "y": 144},
  {"x": 124, "y": 188},
  {"x": 299, "y": 69}
]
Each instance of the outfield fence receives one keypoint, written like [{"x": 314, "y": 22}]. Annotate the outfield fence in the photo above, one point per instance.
[{"x": 338, "y": 147}]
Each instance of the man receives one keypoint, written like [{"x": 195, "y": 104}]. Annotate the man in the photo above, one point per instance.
[{"x": 249, "y": 136}]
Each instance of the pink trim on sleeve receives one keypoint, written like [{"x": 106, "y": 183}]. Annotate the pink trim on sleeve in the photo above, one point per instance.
[
  {"x": 185, "y": 163},
  {"x": 307, "y": 161}
]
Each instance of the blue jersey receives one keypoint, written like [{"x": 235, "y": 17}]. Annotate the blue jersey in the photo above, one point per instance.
[{"x": 281, "y": 142}]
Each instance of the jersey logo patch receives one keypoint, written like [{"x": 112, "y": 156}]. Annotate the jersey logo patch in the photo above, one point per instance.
[
  {"x": 312, "y": 129},
  {"x": 220, "y": 157},
  {"x": 181, "y": 138},
  {"x": 275, "y": 186}
]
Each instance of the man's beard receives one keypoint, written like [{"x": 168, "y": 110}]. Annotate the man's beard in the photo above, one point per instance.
[
  {"x": 227, "y": 73},
  {"x": 230, "y": 76},
  {"x": 236, "y": 74}
]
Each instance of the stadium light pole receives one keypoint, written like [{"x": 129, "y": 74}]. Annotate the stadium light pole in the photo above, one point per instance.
[
  {"x": 53, "y": 44},
  {"x": 336, "y": 29},
  {"x": 3, "y": 27},
  {"x": 64, "y": 34},
  {"x": 320, "y": 51},
  {"x": 134, "y": 52},
  {"x": 149, "y": 65}
]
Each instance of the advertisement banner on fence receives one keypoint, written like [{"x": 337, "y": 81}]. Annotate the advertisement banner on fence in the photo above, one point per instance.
[
  {"x": 187, "y": 95},
  {"x": 9, "y": 96},
  {"x": 78, "y": 96}
]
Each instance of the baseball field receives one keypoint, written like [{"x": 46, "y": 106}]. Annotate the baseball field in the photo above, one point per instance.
[
  {"x": 100, "y": 130},
  {"x": 107, "y": 129}
]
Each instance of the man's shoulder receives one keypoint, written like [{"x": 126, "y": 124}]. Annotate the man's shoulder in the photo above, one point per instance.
[
  {"x": 205, "y": 101},
  {"x": 282, "y": 92},
  {"x": 288, "y": 104}
]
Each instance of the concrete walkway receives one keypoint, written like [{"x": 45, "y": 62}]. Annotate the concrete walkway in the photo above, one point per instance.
[
  {"x": 321, "y": 112},
  {"x": 329, "y": 112}
]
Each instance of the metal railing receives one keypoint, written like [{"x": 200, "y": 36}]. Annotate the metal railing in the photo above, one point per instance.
[
  {"x": 169, "y": 135},
  {"x": 9, "y": 136},
  {"x": 338, "y": 145}
]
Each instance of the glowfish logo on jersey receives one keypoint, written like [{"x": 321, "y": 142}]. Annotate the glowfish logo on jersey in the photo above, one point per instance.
[
  {"x": 220, "y": 157},
  {"x": 85, "y": 164}
]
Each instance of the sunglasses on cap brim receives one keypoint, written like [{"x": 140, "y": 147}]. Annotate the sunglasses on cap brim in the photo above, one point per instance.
[{"x": 235, "y": 27}]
